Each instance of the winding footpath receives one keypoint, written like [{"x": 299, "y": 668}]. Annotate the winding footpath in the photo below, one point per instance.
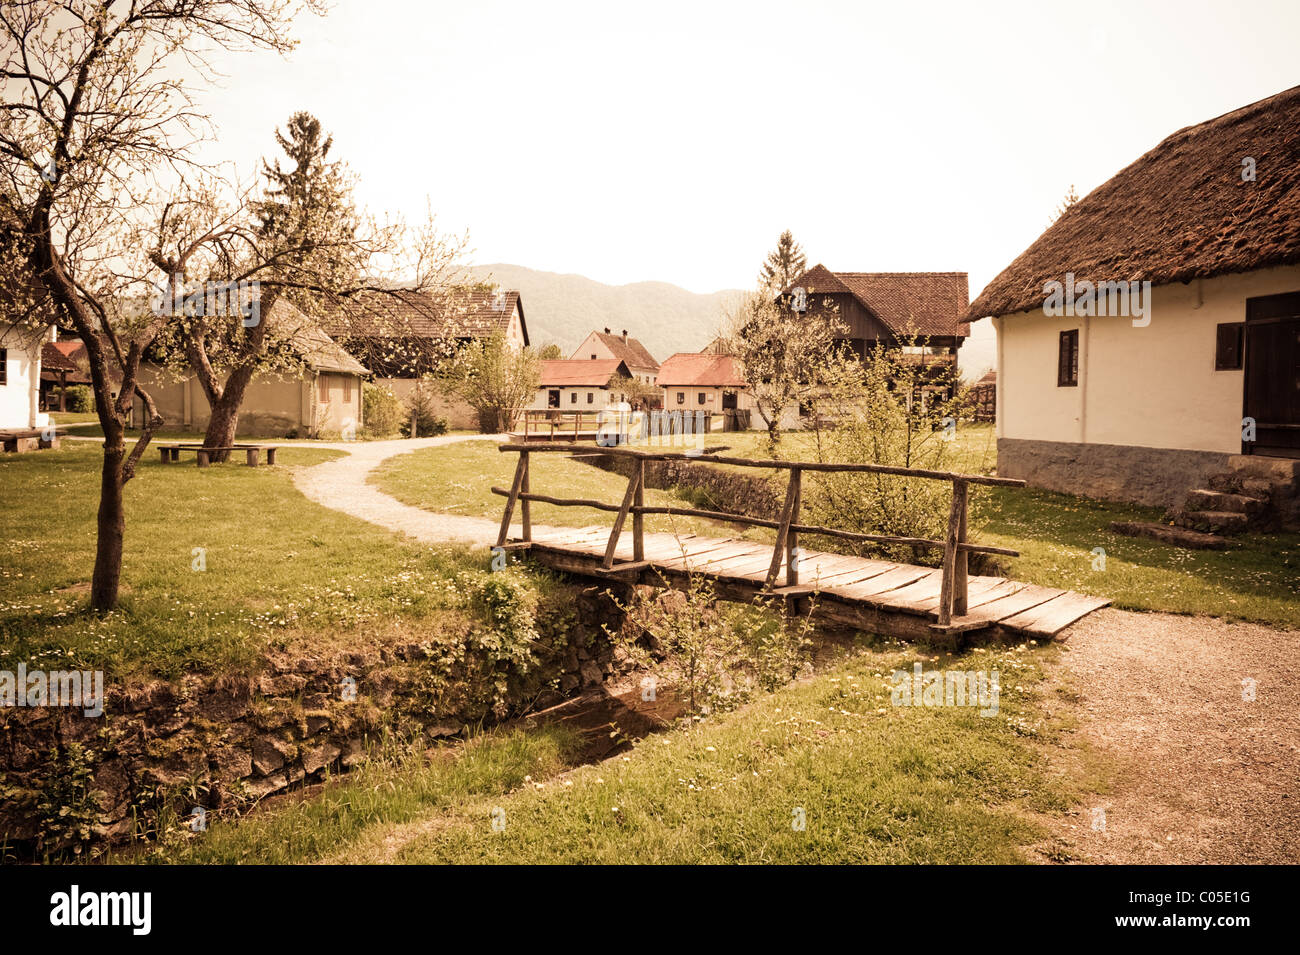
[{"x": 343, "y": 485}]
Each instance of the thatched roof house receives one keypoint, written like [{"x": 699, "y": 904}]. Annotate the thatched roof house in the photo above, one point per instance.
[{"x": 1152, "y": 334}]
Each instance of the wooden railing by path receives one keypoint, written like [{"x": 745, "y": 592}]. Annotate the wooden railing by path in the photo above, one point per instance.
[
  {"x": 956, "y": 548},
  {"x": 557, "y": 424}
]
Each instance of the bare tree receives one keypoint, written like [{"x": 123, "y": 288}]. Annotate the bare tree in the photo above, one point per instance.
[{"x": 96, "y": 118}]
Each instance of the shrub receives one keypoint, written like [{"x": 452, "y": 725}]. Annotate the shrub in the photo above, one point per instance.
[
  {"x": 427, "y": 424},
  {"x": 81, "y": 399},
  {"x": 381, "y": 409}
]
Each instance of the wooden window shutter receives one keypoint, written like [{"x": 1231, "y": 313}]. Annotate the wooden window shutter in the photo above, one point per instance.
[{"x": 1228, "y": 342}]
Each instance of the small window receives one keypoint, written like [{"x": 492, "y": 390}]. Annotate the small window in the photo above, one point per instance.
[
  {"x": 593, "y": 357},
  {"x": 324, "y": 387},
  {"x": 573, "y": 397},
  {"x": 4, "y": 366},
  {"x": 347, "y": 389},
  {"x": 1229, "y": 339},
  {"x": 681, "y": 397},
  {"x": 703, "y": 397},
  {"x": 1067, "y": 370},
  {"x": 590, "y": 398}
]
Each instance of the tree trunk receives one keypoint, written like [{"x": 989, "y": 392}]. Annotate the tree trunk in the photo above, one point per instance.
[
  {"x": 111, "y": 531},
  {"x": 221, "y": 427}
]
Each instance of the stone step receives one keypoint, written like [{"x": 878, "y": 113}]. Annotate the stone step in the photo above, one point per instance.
[
  {"x": 1286, "y": 470},
  {"x": 1177, "y": 536},
  {"x": 1213, "y": 522},
  {"x": 1258, "y": 487},
  {"x": 1228, "y": 482},
  {"x": 1201, "y": 499}
]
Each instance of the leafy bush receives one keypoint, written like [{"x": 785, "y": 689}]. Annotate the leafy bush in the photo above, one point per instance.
[
  {"x": 714, "y": 653},
  {"x": 81, "y": 399},
  {"x": 381, "y": 409},
  {"x": 427, "y": 424}
]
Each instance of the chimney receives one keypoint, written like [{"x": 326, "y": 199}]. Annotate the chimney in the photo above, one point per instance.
[
  {"x": 625, "y": 336},
  {"x": 606, "y": 331}
]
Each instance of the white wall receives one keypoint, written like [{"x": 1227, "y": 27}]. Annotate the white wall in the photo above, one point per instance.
[
  {"x": 1150, "y": 387},
  {"x": 20, "y": 395}
]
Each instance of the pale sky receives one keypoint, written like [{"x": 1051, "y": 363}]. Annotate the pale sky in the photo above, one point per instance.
[{"x": 674, "y": 141}]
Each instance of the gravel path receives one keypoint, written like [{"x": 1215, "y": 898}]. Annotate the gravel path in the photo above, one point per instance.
[
  {"x": 341, "y": 485},
  {"x": 1200, "y": 775}
]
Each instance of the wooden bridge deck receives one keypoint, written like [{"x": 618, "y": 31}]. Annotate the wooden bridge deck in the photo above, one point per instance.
[{"x": 877, "y": 595}]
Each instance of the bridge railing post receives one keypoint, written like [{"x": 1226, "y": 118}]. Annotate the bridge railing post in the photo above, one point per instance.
[
  {"x": 638, "y": 519},
  {"x": 524, "y": 510},
  {"x": 954, "y": 558},
  {"x": 515, "y": 487},
  {"x": 783, "y": 531},
  {"x": 633, "y": 484}
]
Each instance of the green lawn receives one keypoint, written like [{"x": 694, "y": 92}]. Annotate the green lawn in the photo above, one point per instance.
[
  {"x": 1254, "y": 579},
  {"x": 456, "y": 479},
  {"x": 276, "y": 566},
  {"x": 875, "y": 783}
]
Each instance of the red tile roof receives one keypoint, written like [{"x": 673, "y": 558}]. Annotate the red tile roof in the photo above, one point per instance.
[
  {"x": 61, "y": 356},
  {"x": 932, "y": 304},
  {"x": 578, "y": 372},
  {"x": 691, "y": 369}
]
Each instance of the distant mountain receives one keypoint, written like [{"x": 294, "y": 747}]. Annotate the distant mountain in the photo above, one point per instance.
[{"x": 565, "y": 308}]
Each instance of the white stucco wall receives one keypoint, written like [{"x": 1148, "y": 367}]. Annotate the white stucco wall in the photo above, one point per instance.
[
  {"x": 1154, "y": 386},
  {"x": 20, "y": 395}
]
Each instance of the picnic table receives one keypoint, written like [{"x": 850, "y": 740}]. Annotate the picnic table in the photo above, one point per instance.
[{"x": 171, "y": 453}]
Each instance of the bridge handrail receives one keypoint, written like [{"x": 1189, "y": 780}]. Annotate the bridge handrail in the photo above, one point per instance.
[{"x": 956, "y": 548}]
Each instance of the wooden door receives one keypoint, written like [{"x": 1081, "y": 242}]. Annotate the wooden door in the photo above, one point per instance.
[{"x": 1272, "y": 373}]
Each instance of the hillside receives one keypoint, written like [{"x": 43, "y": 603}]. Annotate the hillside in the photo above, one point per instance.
[{"x": 564, "y": 308}]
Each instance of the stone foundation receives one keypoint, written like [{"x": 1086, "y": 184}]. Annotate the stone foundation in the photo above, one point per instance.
[{"x": 1160, "y": 477}]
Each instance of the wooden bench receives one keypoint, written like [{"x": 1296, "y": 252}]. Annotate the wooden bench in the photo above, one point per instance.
[
  {"x": 17, "y": 440},
  {"x": 171, "y": 453}
]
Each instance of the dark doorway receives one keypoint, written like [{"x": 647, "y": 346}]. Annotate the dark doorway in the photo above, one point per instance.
[
  {"x": 1272, "y": 363},
  {"x": 553, "y": 398}
]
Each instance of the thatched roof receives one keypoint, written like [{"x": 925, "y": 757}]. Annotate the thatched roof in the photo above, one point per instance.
[
  {"x": 317, "y": 350},
  {"x": 1181, "y": 212}
]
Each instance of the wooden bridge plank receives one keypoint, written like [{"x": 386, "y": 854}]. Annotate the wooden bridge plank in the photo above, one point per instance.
[
  {"x": 895, "y": 579},
  {"x": 1050, "y": 618},
  {"x": 1029, "y": 595}
]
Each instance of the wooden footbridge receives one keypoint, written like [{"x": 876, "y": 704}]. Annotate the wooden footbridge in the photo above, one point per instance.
[{"x": 880, "y": 596}]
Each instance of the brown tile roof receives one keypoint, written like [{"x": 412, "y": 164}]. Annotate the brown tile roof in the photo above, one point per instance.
[
  {"x": 927, "y": 303},
  {"x": 631, "y": 351},
  {"x": 62, "y": 356},
  {"x": 461, "y": 313},
  {"x": 579, "y": 372},
  {"x": 1180, "y": 212},
  {"x": 688, "y": 368}
]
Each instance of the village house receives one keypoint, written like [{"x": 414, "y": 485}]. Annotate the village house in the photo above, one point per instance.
[
  {"x": 403, "y": 336},
  {"x": 63, "y": 364},
  {"x": 922, "y": 313},
  {"x": 711, "y": 383},
  {"x": 1197, "y": 380},
  {"x": 579, "y": 384},
  {"x": 641, "y": 365},
  {"x": 320, "y": 398}
]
